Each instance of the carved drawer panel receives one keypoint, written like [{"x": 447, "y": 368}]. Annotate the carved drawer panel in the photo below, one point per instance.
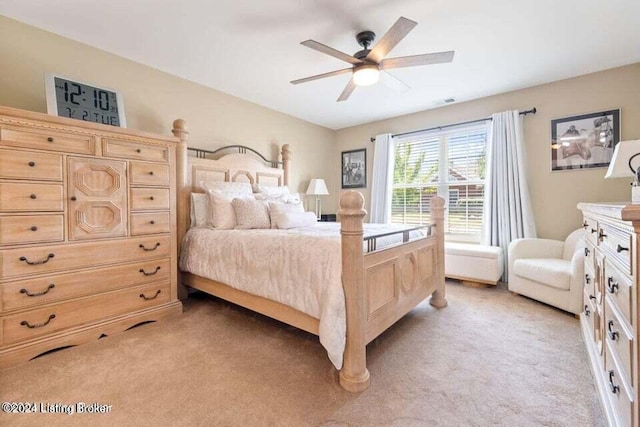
[
  {"x": 27, "y": 261},
  {"x": 149, "y": 174},
  {"x": 619, "y": 341},
  {"x": 47, "y": 140},
  {"x": 616, "y": 244},
  {"x": 150, "y": 223},
  {"x": 46, "y": 320},
  {"x": 617, "y": 392},
  {"x": 589, "y": 281},
  {"x": 149, "y": 199},
  {"x": 589, "y": 255},
  {"x": 591, "y": 230},
  {"x": 29, "y": 197},
  {"x": 617, "y": 286},
  {"x": 30, "y": 165},
  {"x": 53, "y": 288},
  {"x": 135, "y": 151},
  {"x": 15, "y": 230}
]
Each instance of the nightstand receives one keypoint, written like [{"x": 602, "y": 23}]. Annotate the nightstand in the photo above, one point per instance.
[{"x": 328, "y": 218}]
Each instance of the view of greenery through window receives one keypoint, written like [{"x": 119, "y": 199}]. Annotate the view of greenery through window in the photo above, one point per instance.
[{"x": 451, "y": 165}]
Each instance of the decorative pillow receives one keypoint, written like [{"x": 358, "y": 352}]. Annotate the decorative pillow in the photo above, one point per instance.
[
  {"x": 221, "y": 213},
  {"x": 286, "y": 220},
  {"x": 251, "y": 213},
  {"x": 276, "y": 208},
  {"x": 227, "y": 187},
  {"x": 199, "y": 210},
  {"x": 268, "y": 191},
  {"x": 284, "y": 198}
]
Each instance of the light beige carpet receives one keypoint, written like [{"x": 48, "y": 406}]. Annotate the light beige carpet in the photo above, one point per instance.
[{"x": 490, "y": 358}]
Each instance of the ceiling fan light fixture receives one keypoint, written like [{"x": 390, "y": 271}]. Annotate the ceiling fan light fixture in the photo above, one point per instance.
[{"x": 366, "y": 75}]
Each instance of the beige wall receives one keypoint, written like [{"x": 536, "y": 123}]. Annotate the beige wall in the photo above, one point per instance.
[
  {"x": 554, "y": 194},
  {"x": 153, "y": 99}
]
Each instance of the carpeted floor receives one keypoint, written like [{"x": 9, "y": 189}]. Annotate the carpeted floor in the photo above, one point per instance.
[{"x": 490, "y": 358}]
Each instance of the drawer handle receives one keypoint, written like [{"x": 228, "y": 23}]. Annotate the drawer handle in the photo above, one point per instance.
[
  {"x": 138, "y": 150},
  {"x": 38, "y": 325},
  {"x": 33, "y": 196},
  {"x": 146, "y": 298},
  {"x": 586, "y": 251},
  {"x": 37, "y": 294},
  {"x": 601, "y": 234},
  {"x": 587, "y": 278},
  {"x": 152, "y": 222},
  {"x": 32, "y": 164},
  {"x": 614, "y": 388},
  {"x": 151, "y": 198},
  {"x": 141, "y": 246},
  {"x": 74, "y": 198},
  {"x": 585, "y": 225},
  {"x": 586, "y": 311},
  {"x": 43, "y": 261},
  {"x": 592, "y": 297},
  {"x": 612, "y": 334},
  {"x": 593, "y": 230},
  {"x": 34, "y": 228},
  {"x": 612, "y": 286},
  {"x": 621, "y": 248},
  {"x": 150, "y": 274},
  {"x": 50, "y": 139},
  {"x": 150, "y": 172}
]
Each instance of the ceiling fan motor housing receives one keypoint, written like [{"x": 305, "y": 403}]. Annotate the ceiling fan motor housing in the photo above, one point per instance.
[{"x": 365, "y": 38}]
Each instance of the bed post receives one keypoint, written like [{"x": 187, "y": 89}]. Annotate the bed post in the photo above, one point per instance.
[
  {"x": 354, "y": 375},
  {"x": 438, "y": 299},
  {"x": 286, "y": 157},
  {"x": 182, "y": 169}
]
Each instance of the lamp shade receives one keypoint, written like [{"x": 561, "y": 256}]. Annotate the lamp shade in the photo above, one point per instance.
[
  {"x": 317, "y": 187},
  {"x": 625, "y": 161}
]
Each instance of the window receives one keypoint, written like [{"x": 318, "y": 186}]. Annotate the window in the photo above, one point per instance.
[{"x": 447, "y": 163}]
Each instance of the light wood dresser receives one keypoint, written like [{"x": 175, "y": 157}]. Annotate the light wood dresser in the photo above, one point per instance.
[
  {"x": 610, "y": 316},
  {"x": 87, "y": 232}
]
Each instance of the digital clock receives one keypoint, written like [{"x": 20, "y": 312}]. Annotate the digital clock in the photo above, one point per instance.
[{"x": 82, "y": 101}]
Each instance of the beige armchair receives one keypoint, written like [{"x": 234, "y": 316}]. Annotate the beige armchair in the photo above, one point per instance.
[{"x": 550, "y": 271}]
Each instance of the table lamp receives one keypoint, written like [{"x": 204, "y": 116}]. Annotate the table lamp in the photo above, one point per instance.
[
  {"x": 626, "y": 163},
  {"x": 317, "y": 188}
]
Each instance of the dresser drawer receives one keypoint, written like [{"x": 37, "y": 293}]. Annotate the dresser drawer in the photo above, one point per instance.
[
  {"x": 616, "y": 244},
  {"x": 47, "y": 320},
  {"x": 149, "y": 223},
  {"x": 44, "y": 140},
  {"x": 15, "y": 230},
  {"x": 30, "y": 165},
  {"x": 589, "y": 312},
  {"x": 54, "y": 288},
  {"x": 617, "y": 393},
  {"x": 589, "y": 255},
  {"x": 27, "y": 261},
  {"x": 589, "y": 282},
  {"x": 617, "y": 287},
  {"x": 150, "y": 174},
  {"x": 590, "y": 226},
  {"x": 620, "y": 342},
  {"x": 30, "y": 197},
  {"x": 135, "y": 151},
  {"x": 149, "y": 199}
]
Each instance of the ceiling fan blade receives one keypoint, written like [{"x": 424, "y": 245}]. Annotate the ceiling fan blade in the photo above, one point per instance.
[
  {"x": 322, "y": 76},
  {"x": 392, "y": 82},
  {"x": 415, "y": 60},
  {"x": 397, "y": 32},
  {"x": 331, "y": 51},
  {"x": 348, "y": 90}
]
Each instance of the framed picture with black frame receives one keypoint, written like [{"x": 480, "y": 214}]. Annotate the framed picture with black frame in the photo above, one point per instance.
[
  {"x": 584, "y": 141},
  {"x": 354, "y": 168}
]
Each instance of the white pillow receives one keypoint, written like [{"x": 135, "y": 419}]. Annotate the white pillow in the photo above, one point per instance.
[
  {"x": 251, "y": 213},
  {"x": 199, "y": 210},
  {"x": 276, "y": 208},
  {"x": 221, "y": 213},
  {"x": 286, "y": 220},
  {"x": 228, "y": 187},
  {"x": 283, "y": 198},
  {"x": 270, "y": 191}
]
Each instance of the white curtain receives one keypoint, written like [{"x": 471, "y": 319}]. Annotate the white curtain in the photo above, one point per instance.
[
  {"x": 507, "y": 206},
  {"x": 382, "y": 182}
]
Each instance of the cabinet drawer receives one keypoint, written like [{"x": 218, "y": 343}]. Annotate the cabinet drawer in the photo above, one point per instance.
[
  {"x": 45, "y": 259},
  {"x": 589, "y": 255},
  {"x": 617, "y": 393},
  {"x": 135, "y": 151},
  {"x": 46, "y": 320},
  {"x": 616, "y": 243},
  {"x": 15, "y": 230},
  {"x": 619, "y": 342},
  {"x": 149, "y": 223},
  {"x": 149, "y": 199},
  {"x": 590, "y": 226},
  {"x": 55, "y": 288},
  {"x": 149, "y": 174},
  {"x": 589, "y": 281},
  {"x": 617, "y": 286},
  {"x": 30, "y": 165},
  {"x": 30, "y": 197},
  {"x": 44, "y": 140}
]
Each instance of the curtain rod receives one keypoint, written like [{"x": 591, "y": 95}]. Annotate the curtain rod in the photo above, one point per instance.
[{"x": 524, "y": 113}]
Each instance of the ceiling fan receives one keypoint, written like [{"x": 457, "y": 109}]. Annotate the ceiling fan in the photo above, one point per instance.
[{"x": 367, "y": 64}]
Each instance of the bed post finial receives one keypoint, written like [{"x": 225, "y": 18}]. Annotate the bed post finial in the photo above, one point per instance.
[
  {"x": 183, "y": 193},
  {"x": 438, "y": 299},
  {"x": 286, "y": 157},
  {"x": 354, "y": 375}
]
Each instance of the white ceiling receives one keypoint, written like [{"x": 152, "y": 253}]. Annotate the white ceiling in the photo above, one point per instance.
[{"x": 250, "y": 48}]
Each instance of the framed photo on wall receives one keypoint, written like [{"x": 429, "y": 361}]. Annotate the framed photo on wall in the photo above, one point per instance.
[
  {"x": 585, "y": 141},
  {"x": 354, "y": 168}
]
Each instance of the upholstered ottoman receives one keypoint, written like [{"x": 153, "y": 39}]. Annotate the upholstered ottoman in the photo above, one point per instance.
[{"x": 474, "y": 265}]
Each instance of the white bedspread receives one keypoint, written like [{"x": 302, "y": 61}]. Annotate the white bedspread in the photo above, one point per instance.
[{"x": 300, "y": 268}]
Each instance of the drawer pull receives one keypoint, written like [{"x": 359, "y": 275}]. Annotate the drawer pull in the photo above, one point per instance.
[
  {"x": 150, "y": 274},
  {"x": 601, "y": 234},
  {"x": 32, "y": 164},
  {"x": 50, "y": 139},
  {"x": 152, "y": 222},
  {"x": 586, "y": 251},
  {"x": 33, "y": 196},
  {"x": 614, "y": 388},
  {"x": 74, "y": 198},
  {"x": 146, "y": 298},
  {"x": 34, "y": 228},
  {"x": 38, "y": 325},
  {"x": 151, "y": 198},
  {"x": 593, "y": 230},
  {"x": 587, "y": 312},
  {"x": 612, "y": 286},
  {"x": 592, "y": 297},
  {"x": 612, "y": 334},
  {"x": 585, "y": 225},
  {"x": 43, "y": 261},
  {"x": 587, "y": 278},
  {"x": 150, "y": 172},
  {"x": 621, "y": 248},
  {"x": 37, "y": 294},
  {"x": 138, "y": 150},
  {"x": 141, "y": 246}
]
